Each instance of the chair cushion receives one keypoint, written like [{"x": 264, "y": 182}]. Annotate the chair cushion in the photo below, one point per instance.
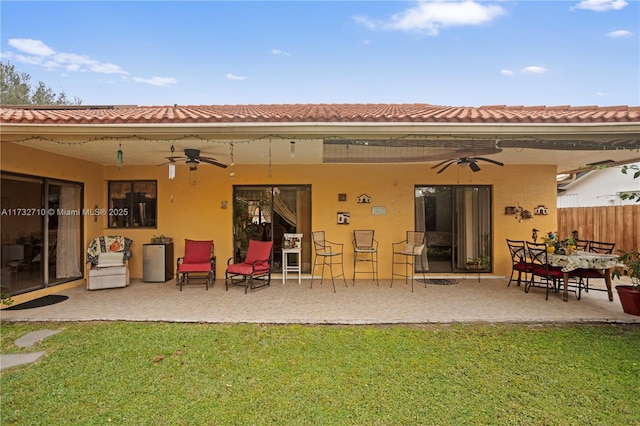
[
  {"x": 522, "y": 266},
  {"x": 589, "y": 273},
  {"x": 258, "y": 250},
  {"x": 108, "y": 244},
  {"x": 195, "y": 267},
  {"x": 197, "y": 251},
  {"x": 247, "y": 269},
  {"x": 109, "y": 259},
  {"x": 542, "y": 271}
]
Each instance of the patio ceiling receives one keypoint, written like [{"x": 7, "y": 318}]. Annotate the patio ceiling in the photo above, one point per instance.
[{"x": 569, "y": 137}]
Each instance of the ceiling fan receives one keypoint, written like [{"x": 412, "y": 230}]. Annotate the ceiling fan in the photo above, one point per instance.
[
  {"x": 193, "y": 158},
  {"x": 472, "y": 162}
]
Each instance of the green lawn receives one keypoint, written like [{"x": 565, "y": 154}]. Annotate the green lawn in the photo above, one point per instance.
[{"x": 204, "y": 374}]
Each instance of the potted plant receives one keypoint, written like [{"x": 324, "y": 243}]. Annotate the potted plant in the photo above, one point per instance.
[
  {"x": 481, "y": 263},
  {"x": 629, "y": 294}
]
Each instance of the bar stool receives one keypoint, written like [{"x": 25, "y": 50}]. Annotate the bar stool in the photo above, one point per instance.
[
  {"x": 365, "y": 249},
  {"x": 292, "y": 245}
]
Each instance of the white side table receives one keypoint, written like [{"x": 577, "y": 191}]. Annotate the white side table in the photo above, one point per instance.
[{"x": 286, "y": 267}]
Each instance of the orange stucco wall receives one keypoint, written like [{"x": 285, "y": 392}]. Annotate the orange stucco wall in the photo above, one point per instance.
[{"x": 193, "y": 210}]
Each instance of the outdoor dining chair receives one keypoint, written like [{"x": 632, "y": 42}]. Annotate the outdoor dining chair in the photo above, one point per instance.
[
  {"x": 331, "y": 253},
  {"x": 582, "y": 245},
  {"x": 405, "y": 253},
  {"x": 584, "y": 275},
  {"x": 548, "y": 276},
  {"x": 365, "y": 249},
  {"x": 519, "y": 263},
  {"x": 601, "y": 247}
]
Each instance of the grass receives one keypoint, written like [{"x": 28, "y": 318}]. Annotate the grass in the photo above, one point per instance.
[{"x": 204, "y": 374}]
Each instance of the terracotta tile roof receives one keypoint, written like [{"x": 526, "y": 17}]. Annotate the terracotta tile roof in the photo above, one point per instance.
[{"x": 315, "y": 113}]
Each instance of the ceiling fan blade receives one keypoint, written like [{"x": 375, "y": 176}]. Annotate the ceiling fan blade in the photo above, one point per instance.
[
  {"x": 489, "y": 160},
  {"x": 441, "y": 163},
  {"x": 474, "y": 166},
  {"x": 212, "y": 161},
  {"x": 445, "y": 167},
  {"x": 173, "y": 159}
]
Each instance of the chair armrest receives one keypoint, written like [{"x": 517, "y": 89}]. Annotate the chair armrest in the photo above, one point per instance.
[{"x": 332, "y": 243}]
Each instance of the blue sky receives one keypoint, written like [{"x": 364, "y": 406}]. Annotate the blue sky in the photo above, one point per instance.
[{"x": 458, "y": 53}]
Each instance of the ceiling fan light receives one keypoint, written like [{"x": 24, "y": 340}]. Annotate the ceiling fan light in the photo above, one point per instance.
[{"x": 192, "y": 163}]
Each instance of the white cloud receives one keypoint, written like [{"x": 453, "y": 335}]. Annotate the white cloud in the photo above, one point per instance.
[
  {"x": 279, "y": 52},
  {"x": 619, "y": 34},
  {"x": 232, "y": 76},
  {"x": 506, "y": 72},
  {"x": 601, "y": 5},
  {"x": 430, "y": 17},
  {"x": 38, "y": 53},
  {"x": 31, "y": 47},
  {"x": 157, "y": 81},
  {"x": 534, "y": 69}
]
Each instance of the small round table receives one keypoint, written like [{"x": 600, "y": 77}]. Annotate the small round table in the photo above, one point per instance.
[{"x": 293, "y": 267}]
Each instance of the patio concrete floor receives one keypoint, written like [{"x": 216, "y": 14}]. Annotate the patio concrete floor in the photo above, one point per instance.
[{"x": 469, "y": 301}]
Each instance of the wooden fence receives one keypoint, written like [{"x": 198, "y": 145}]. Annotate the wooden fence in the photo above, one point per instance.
[{"x": 614, "y": 224}]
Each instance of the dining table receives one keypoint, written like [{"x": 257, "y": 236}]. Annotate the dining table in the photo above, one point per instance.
[{"x": 584, "y": 260}]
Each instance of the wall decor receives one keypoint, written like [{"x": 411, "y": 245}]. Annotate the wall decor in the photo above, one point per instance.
[
  {"x": 364, "y": 199},
  {"x": 541, "y": 210},
  {"x": 343, "y": 218},
  {"x": 510, "y": 210},
  {"x": 378, "y": 211},
  {"x": 342, "y": 197}
]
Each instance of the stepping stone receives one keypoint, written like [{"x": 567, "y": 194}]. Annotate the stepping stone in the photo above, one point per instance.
[
  {"x": 11, "y": 360},
  {"x": 30, "y": 339}
]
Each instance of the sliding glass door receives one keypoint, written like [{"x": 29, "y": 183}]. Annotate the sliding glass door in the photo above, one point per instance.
[
  {"x": 266, "y": 213},
  {"x": 41, "y": 232},
  {"x": 457, "y": 221}
]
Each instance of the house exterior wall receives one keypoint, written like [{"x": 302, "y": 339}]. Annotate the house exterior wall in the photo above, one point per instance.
[
  {"x": 600, "y": 188},
  {"x": 194, "y": 211}
]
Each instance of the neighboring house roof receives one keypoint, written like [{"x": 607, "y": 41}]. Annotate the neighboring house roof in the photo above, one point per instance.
[{"x": 301, "y": 113}]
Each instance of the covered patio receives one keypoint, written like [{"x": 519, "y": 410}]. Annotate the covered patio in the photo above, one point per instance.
[{"x": 468, "y": 301}]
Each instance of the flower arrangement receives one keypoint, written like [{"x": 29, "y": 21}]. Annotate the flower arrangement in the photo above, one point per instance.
[{"x": 551, "y": 239}]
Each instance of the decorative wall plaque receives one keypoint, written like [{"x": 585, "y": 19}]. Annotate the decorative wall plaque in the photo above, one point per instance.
[{"x": 364, "y": 199}]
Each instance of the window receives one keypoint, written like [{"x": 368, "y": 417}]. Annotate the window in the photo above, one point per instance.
[{"x": 132, "y": 203}]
